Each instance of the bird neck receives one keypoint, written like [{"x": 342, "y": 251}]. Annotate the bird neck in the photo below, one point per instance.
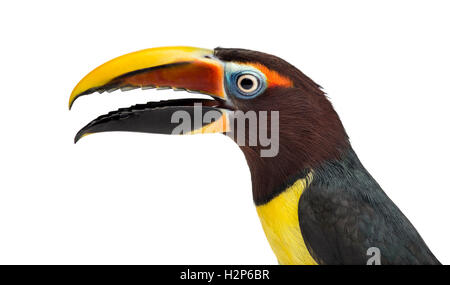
[
  {"x": 347, "y": 173},
  {"x": 268, "y": 184},
  {"x": 307, "y": 140}
]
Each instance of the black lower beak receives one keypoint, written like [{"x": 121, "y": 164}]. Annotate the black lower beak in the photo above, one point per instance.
[{"x": 183, "y": 116}]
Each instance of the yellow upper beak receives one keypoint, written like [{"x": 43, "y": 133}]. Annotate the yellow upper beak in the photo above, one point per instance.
[{"x": 177, "y": 67}]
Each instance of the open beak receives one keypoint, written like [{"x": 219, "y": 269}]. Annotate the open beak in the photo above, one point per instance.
[{"x": 185, "y": 68}]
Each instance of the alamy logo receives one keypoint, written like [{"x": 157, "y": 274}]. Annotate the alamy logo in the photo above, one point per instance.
[
  {"x": 375, "y": 256},
  {"x": 249, "y": 128}
]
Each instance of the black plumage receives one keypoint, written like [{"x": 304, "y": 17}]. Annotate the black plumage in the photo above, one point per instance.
[{"x": 344, "y": 212}]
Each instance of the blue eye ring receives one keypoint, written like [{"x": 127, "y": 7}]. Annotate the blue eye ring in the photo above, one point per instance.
[{"x": 239, "y": 84}]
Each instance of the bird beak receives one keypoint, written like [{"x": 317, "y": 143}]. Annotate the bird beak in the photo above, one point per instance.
[{"x": 179, "y": 68}]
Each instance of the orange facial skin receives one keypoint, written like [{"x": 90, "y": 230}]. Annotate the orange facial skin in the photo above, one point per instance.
[
  {"x": 274, "y": 79},
  {"x": 196, "y": 76}
]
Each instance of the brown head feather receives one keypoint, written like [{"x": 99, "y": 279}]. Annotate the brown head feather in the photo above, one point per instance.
[{"x": 310, "y": 131}]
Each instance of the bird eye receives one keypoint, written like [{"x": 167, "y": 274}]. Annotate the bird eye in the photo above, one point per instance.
[
  {"x": 243, "y": 81},
  {"x": 247, "y": 83}
]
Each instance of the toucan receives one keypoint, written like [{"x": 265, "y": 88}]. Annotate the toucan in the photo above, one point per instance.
[{"x": 316, "y": 202}]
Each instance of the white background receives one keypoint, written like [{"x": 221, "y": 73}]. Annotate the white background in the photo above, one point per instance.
[{"x": 128, "y": 198}]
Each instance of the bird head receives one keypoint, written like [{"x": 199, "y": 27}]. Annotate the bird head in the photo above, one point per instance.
[{"x": 237, "y": 82}]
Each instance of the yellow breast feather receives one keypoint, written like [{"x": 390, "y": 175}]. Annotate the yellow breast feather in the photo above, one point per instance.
[{"x": 280, "y": 221}]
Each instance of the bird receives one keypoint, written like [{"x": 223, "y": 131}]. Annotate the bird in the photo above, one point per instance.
[{"x": 317, "y": 203}]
